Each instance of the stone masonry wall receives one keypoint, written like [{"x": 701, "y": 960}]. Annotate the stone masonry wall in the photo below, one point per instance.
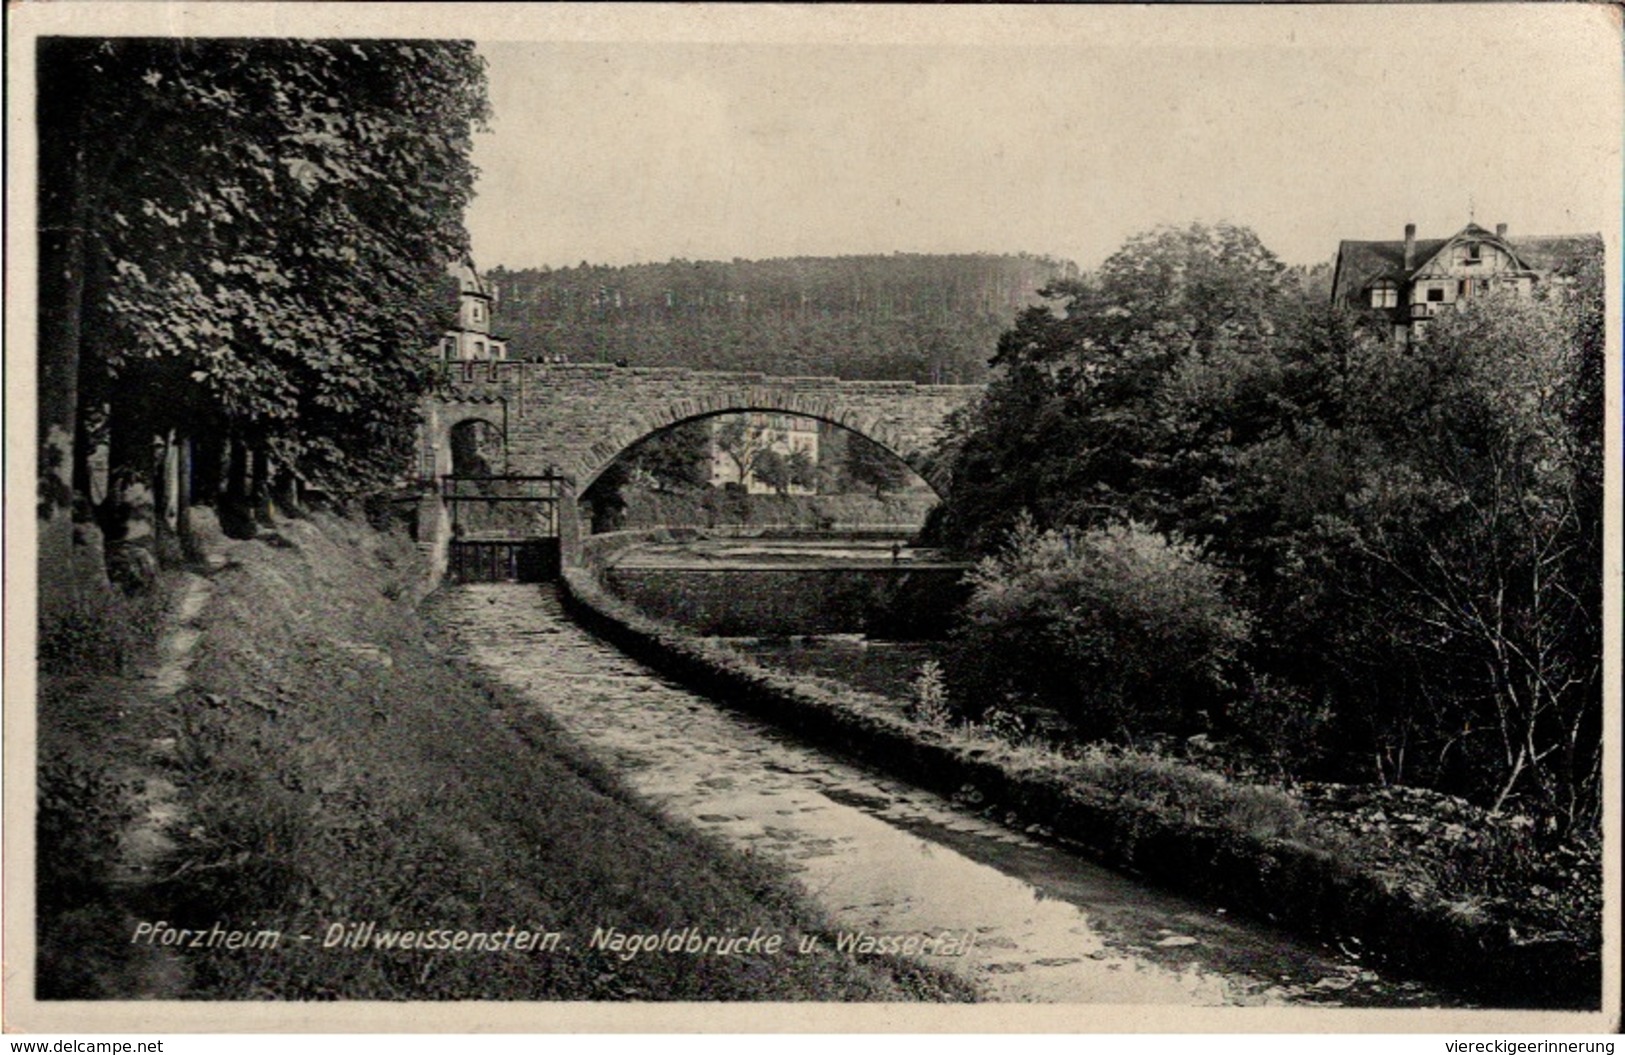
[{"x": 580, "y": 417}]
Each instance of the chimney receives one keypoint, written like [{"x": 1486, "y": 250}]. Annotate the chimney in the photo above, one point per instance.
[
  {"x": 1500, "y": 230},
  {"x": 1410, "y": 246}
]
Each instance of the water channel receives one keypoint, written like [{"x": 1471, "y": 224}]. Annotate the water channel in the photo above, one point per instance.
[
  {"x": 787, "y": 551},
  {"x": 880, "y": 856}
]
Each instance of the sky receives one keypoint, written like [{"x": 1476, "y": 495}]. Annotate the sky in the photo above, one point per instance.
[{"x": 1060, "y": 131}]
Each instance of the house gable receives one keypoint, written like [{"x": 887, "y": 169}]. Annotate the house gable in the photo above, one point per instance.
[
  {"x": 1412, "y": 279},
  {"x": 1472, "y": 252}
]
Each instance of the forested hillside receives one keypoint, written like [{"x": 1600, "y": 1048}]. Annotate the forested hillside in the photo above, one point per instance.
[{"x": 907, "y": 316}]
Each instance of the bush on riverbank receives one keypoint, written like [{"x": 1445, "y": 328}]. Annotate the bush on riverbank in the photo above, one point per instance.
[
  {"x": 1120, "y": 629},
  {"x": 1452, "y": 913},
  {"x": 327, "y": 764}
]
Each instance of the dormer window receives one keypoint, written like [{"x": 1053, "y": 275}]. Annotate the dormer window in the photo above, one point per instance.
[{"x": 1384, "y": 294}]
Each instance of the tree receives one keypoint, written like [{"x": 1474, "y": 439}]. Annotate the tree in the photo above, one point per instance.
[
  {"x": 1463, "y": 542},
  {"x": 772, "y": 468},
  {"x": 259, "y": 231},
  {"x": 676, "y": 459},
  {"x": 869, "y": 465},
  {"x": 742, "y": 443},
  {"x": 782, "y": 471},
  {"x": 1082, "y": 425}
]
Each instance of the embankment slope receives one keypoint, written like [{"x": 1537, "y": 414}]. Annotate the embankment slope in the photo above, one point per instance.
[{"x": 333, "y": 763}]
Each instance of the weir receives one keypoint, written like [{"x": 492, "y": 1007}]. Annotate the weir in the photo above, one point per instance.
[{"x": 883, "y": 602}]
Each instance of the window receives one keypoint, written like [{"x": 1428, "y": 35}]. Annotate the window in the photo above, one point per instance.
[
  {"x": 1435, "y": 294},
  {"x": 1473, "y": 251},
  {"x": 1384, "y": 294}
]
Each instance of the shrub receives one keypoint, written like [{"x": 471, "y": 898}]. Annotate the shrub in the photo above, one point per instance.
[
  {"x": 1198, "y": 797},
  {"x": 930, "y": 703},
  {"x": 1121, "y": 629},
  {"x": 82, "y": 811},
  {"x": 999, "y": 723}
]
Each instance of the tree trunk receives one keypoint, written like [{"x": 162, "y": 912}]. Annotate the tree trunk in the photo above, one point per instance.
[
  {"x": 285, "y": 488},
  {"x": 236, "y": 515},
  {"x": 128, "y": 452},
  {"x": 183, "y": 499},
  {"x": 260, "y": 498},
  {"x": 62, "y": 217},
  {"x": 208, "y": 451},
  {"x": 127, "y": 513},
  {"x": 165, "y": 482}
]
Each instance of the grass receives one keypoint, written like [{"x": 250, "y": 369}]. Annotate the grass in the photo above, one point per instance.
[
  {"x": 100, "y": 632},
  {"x": 334, "y": 767},
  {"x": 90, "y": 721}
]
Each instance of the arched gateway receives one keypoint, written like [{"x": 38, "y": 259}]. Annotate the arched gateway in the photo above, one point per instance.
[{"x": 566, "y": 423}]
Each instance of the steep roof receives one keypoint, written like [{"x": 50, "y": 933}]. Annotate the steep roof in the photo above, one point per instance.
[
  {"x": 1550, "y": 252},
  {"x": 468, "y": 278},
  {"x": 1361, "y": 263}
]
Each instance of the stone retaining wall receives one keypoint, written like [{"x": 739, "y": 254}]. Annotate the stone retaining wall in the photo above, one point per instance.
[{"x": 915, "y": 604}]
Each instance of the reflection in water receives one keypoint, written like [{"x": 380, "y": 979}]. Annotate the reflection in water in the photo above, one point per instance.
[
  {"x": 884, "y": 858},
  {"x": 887, "y": 668}
]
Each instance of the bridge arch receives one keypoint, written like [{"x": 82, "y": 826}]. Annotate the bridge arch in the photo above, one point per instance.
[
  {"x": 445, "y": 419},
  {"x": 575, "y": 419},
  {"x": 476, "y": 446},
  {"x": 626, "y": 437}
]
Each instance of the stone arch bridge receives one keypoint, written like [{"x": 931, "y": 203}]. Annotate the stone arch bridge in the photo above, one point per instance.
[{"x": 574, "y": 420}]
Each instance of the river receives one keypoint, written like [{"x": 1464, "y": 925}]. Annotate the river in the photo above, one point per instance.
[{"x": 880, "y": 856}]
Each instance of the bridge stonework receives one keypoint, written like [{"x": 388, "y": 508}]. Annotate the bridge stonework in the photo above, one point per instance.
[
  {"x": 576, "y": 419},
  {"x": 580, "y": 417}
]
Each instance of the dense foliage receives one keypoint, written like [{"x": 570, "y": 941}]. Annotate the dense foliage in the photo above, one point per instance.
[
  {"x": 242, "y": 253},
  {"x": 1121, "y": 628},
  {"x": 1410, "y": 529},
  {"x": 926, "y": 318}
]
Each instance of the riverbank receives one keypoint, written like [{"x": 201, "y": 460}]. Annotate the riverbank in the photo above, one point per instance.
[
  {"x": 1259, "y": 850},
  {"x": 288, "y": 756}
]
